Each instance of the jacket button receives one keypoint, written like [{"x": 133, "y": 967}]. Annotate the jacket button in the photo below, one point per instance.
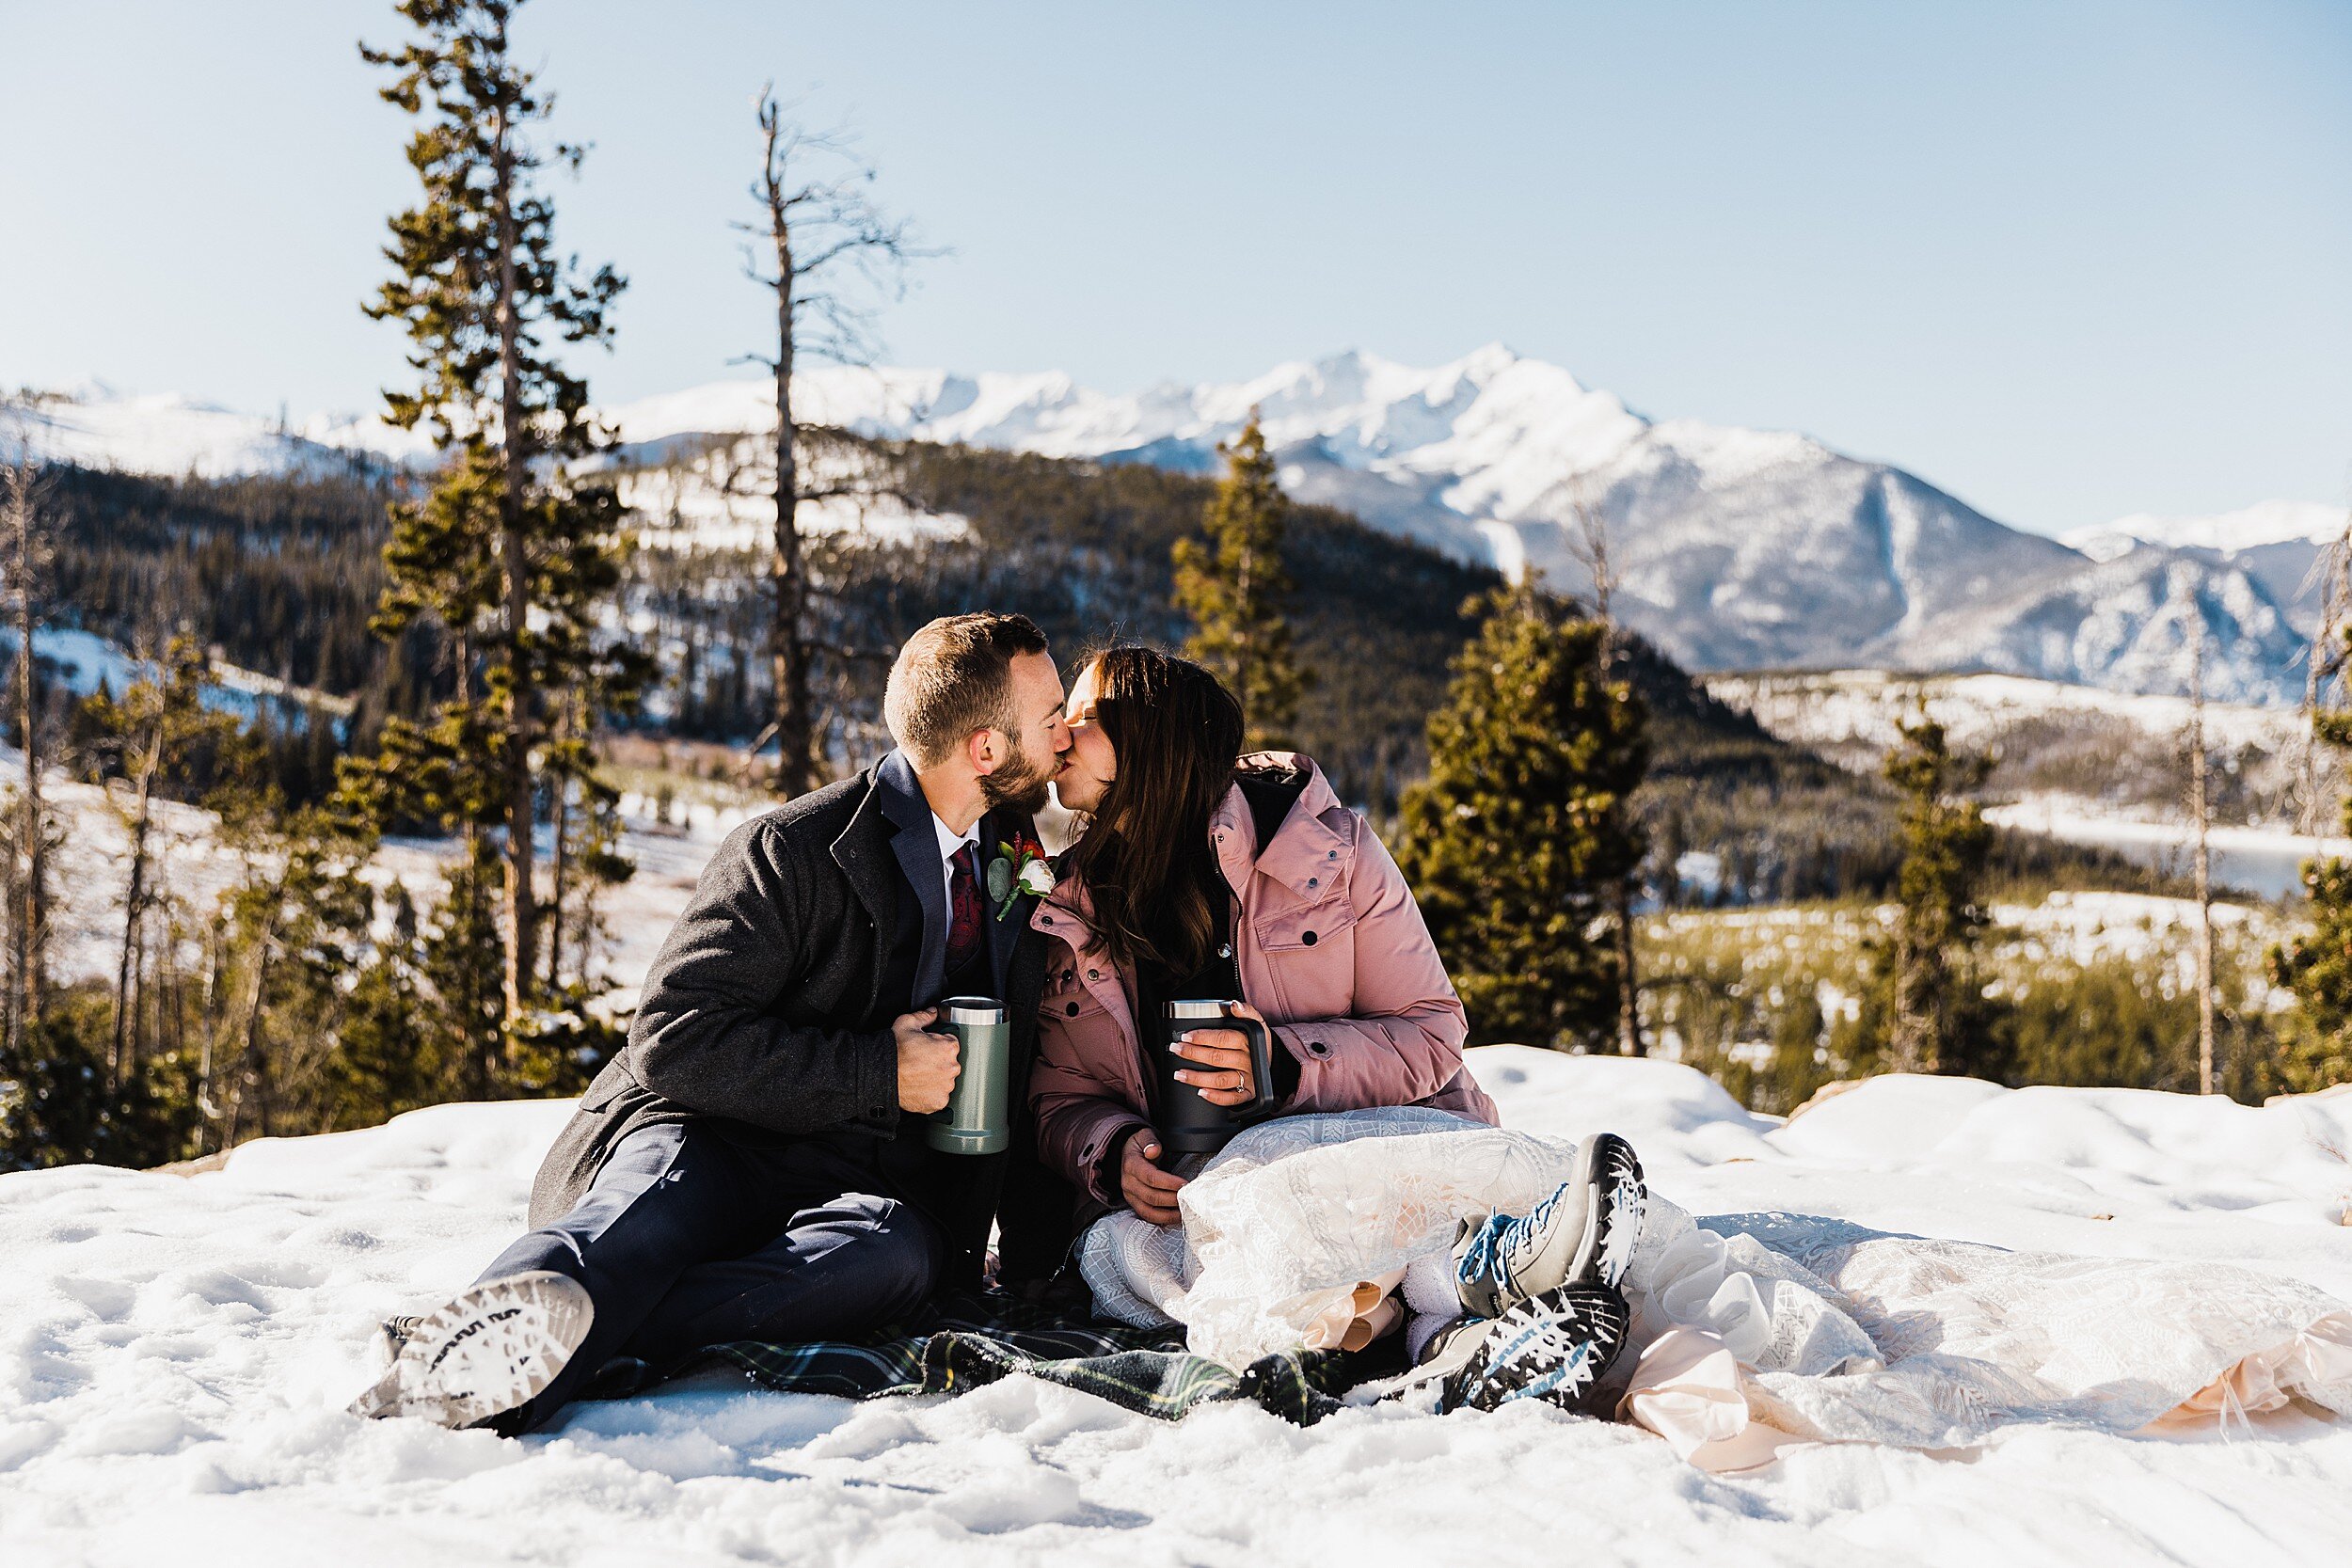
[
  {"x": 1331, "y": 855},
  {"x": 1072, "y": 1009},
  {"x": 1093, "y": 975},
  {"x": 1309, "y": 939},
  {"x": 1313, "y": 882}
]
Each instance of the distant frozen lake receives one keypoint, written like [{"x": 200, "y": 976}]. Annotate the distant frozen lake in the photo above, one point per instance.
[{"x": 2264, "y": 860}]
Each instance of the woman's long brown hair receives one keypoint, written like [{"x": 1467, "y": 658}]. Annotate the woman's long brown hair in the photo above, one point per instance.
[{"x": 1146, "y": 862}]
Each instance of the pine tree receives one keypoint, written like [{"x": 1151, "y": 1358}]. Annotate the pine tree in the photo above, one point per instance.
[
  {"x": 2316, "y": 965},
  {"x": 509, "y": 553},
  {"x": 1946, "y": 843},
  {"x": 1234, "y": 585},
  {"x": 1514, "y": 840}
]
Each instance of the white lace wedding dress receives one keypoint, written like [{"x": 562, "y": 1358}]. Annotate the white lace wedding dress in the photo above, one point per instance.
[{"x": 1749, "y": 1331}]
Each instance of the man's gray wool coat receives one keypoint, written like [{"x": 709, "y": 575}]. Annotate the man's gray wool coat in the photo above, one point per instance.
[{"x": 751, "y": 1012}]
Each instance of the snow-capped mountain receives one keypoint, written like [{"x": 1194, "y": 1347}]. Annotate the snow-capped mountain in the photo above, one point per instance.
[
  {"x": 95, "y": 427},
  {"x": 2124, "y": 625},
  {"x": 2277, "y": 544},
  {"x": 1732, "y": 549},
  {"x": 2249, "y": 528}
]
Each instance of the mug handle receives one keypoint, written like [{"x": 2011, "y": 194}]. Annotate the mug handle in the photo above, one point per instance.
[{"x": 1261, "y": 1065}]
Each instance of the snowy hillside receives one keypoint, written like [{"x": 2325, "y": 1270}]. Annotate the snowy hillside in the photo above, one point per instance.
[
  {"x": 2124, "y": 625},
  {"x": 1735, "y": 549},
  {"x": 2082, "y": 765},
  {"x": 175, "y": 1352},
  {"x": 2276, "y": 544},
  {"x": 95, "y": 427}
]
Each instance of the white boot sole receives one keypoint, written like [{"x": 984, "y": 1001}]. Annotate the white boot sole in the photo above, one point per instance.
[{"x": 492, "y": 1348}]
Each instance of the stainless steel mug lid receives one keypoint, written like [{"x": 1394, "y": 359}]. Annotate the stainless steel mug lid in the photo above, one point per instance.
[
  {"x": 1195, "y": 1009},
  {"x": 974, "y": 1009}
]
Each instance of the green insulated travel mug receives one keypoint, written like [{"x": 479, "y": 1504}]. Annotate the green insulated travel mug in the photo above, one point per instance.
[{"x": 975, "y": 1120}]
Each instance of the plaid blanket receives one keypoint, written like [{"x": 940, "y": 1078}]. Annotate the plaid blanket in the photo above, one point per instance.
[{"x": 967, "y": 1340}]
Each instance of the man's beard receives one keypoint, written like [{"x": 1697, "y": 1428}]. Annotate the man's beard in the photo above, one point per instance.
[{"x": 1021, "y": 783}]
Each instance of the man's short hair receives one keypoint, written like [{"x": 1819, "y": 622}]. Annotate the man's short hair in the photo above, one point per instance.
[{"x": 953, "y": 677}]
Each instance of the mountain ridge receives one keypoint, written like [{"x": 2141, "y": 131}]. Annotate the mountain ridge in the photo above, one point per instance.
[{"x": 1733, "y": 549}]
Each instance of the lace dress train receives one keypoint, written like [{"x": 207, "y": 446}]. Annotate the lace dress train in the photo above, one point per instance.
[{"x": 1750, "y": 1331}]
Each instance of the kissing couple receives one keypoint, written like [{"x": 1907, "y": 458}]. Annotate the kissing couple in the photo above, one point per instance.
[{"x": 1225, "y": 945}]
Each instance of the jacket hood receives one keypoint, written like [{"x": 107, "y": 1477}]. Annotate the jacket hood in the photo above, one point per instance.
[
  {"x": 1297, "y": 856},
  {"x": 1300, "y": 853}
]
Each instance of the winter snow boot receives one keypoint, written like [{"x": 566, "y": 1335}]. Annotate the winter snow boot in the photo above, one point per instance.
[
  {"x": 392, "y": 1335},
  {"x": 1554, "y": 1346},
  {"x": 493, "y": 1348},
  {"x": 1583, "y": 1234}
]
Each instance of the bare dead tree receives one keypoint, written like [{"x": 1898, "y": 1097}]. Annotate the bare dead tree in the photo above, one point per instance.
[
  {"x": 819, "y": 243},
  {"x": 1590, "y": 546},
  {"x": 2200, "y": 815},
  {"x": 2332, "y": 573},
  {"x": 25, "y": 535}
]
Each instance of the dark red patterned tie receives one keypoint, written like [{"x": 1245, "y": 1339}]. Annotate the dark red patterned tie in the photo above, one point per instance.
[{"x": 964, "y": 908}]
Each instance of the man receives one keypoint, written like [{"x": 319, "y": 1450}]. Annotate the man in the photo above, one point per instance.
[{"x": 751, "y": 1165}]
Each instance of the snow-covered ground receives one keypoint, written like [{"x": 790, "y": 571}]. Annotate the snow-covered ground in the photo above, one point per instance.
[{"x": 175, "y": 1352}]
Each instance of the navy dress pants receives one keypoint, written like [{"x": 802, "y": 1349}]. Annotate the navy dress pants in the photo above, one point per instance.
[{"x": 690, "y": 1238}]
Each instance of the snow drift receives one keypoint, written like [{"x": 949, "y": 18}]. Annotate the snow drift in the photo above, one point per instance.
[{"x": 175, "y": 1352}]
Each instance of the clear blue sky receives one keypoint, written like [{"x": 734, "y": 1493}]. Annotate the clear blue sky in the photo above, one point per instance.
[{"x": 2066, "y": 260}]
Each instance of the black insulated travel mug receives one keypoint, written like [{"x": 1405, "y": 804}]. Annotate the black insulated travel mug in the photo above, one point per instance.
[{"x": 1189, "y": 1124}]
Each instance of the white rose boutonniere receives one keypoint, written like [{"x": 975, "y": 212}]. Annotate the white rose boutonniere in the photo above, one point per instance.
[{"x": 1019, "y": 868}]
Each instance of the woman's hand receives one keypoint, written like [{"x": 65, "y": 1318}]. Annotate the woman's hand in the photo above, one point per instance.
[
  {"x": 1150, "y": 1190},
  {"x": 1224, "y": 1076}
]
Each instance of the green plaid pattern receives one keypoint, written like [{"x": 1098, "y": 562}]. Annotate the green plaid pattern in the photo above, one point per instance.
[{"x": 972, "y": 1339}]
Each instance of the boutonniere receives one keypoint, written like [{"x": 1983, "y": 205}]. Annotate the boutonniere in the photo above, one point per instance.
[{"x": 1019, "y": 868}]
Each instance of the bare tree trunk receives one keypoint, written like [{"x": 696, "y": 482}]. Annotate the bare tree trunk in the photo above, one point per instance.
[
  {"x": 797, "y": 772},
  {"x": 215, "y": 1015},
  {"x": 810, "y": 228},
  {"x": 133, "y": 906},
  {"x": 1629, "y": 1041},
  {"x": 1594, "y": 526},
  {"x": 24, "y": 997},
  {"x": 2202, "y": 814},
  {"x": 1918, "y": 1017},
  {"x": 562, "y": 829},
  {"x": 514, "y": 566},
  {"x": 250, "y": 1068},
  {"x": 257, "y": 1056}
]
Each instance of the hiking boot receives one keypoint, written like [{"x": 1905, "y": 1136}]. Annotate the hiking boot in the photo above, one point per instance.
[
  {"x": 392, "y": 1334},
  {"x": 1553, "y": 1347},
  {"x": 493, "y": 1348},
  {"x": 1583, "y": 1234}
]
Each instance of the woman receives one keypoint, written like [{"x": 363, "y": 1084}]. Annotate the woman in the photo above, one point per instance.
[{"x": 1198, "y": 876}]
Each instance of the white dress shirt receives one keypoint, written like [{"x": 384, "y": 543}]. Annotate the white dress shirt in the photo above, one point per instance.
[{"x": 950, "y": 842}]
